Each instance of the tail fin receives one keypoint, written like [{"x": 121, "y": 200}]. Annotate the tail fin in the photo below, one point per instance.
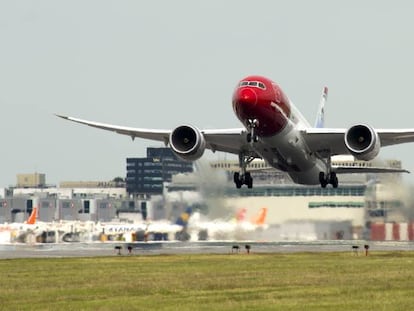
[
  {"x": 241, "y": 215},
  {"x": 182, "y": 220},
  {"x": 261, "y": 217},
  {"x": 320, "y": 116},
  {"x": 33, "y": 217}
]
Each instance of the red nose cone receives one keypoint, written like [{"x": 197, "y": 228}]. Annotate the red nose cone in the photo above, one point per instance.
[
  {"x": 245, "y": 103},
  {"x": 246, "y": 96}
]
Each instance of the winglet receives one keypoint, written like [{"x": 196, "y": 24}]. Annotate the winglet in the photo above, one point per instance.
[
  {"x": 63, "y": 117},
  {"x": 320, "y": 116}
]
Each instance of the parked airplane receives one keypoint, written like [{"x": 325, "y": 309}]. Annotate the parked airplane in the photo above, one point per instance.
[
  {"x": 160, "y": 227},
  {"x": 18, "y": 231},
  {"x": 156, "y": 226},
  {"x": 277, "y": 132},
  {"x": 32, "y": 230},
  {"x": 30, "y": 223}
]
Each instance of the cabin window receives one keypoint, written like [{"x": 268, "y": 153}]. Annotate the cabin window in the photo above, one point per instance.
[{"x": 258, "y": 84}]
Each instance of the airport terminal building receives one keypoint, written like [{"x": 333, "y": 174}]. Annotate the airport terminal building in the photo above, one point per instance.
[
  {"x": 147, "y": 176},
  {"x": 294, "y": 212}
]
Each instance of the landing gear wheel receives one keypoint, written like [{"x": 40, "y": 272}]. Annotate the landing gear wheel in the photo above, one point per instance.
[
  {"x": 248, "y": 180},
  {"x": 252, "y": 138},
  {"x": 241, "y": 180},
  {"x": 243, "y": 177},
  {"x": 237, "y": 180},
  {"x": 322, "y": 180},
  {"x": 333, "y": 180},
  {"x": 330, "y": 178},
  {"x": 249, "y": 137}
]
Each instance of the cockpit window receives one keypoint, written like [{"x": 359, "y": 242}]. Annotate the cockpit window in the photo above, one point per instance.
[{"x": 258, "y": 84}]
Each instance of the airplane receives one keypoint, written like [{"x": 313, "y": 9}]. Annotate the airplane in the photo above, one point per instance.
[
  {"x": 166, "y": 227},
  {"x": 275, "y": 130},
  {"x": 27, "y": 224},
  {"x": 20, "y": 230},
  {"x": 32, "y": 229},
  {"x": 156, "y": 226}
]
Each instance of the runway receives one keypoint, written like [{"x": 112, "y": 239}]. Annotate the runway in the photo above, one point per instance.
[{"x": 9, "y": 251}]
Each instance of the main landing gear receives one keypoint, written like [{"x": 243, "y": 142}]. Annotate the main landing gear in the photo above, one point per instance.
[
  {"x": 243, "y": 177},
  {"x": 240, "y": 180},
  {"x": 329, "y": 178}
]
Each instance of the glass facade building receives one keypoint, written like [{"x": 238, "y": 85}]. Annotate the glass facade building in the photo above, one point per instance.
[{"x": 147, "y": 175}]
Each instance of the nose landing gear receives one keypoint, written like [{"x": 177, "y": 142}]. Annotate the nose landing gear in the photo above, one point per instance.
[{"x": 252, "y": 135}]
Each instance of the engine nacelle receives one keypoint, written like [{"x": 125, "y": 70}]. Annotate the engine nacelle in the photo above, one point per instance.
[
  {"x": 187, "y": 142},
  {"x": 362, "y": 142}
]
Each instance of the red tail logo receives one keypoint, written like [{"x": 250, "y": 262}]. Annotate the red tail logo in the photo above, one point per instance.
[
  {"x": 33, "y": 216},
  {"x": 261, "y": 217}
]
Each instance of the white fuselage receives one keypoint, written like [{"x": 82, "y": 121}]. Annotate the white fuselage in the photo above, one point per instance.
[{"x": 287, "y": 151}]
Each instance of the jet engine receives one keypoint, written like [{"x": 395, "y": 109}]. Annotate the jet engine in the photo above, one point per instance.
[
  {"x": 362, "y": 142},
  {"x": 187, "y": 142}
]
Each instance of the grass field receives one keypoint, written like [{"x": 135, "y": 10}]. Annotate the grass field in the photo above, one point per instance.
[{"x": 299, "y": 281}]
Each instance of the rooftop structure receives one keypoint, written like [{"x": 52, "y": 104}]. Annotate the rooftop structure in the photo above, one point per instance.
[{"x": 31, "y": 180}]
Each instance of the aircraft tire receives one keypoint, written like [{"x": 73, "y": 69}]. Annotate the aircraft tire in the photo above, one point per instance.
[{"x": 248, "y": 180}]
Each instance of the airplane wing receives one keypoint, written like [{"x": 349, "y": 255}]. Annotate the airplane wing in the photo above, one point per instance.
[
  {"x": 159, "y": 135},
  {"x": 226, "y": 140},
  {"x": 396, "y": 136},
  {"x": 320, "y": 139},
  {"x": 365, "y": 169}
]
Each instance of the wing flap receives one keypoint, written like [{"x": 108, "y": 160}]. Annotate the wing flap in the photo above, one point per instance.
[
  {"x": 332, "y": 139},
  {"x": 358, "y": 170},
  {"x": 390, "y": 137},
  {"x": 228, "y": 140},
  {"x": 325, "y": 139}
]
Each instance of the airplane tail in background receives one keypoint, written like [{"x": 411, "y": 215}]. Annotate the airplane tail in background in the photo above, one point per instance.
[
  {"x": 33, "y": 217},
  {"x": 182, "y": 220},
  {"x": 261, "y": 217},
  {"x": 241, "y": 214},
  {"x": 320, "y": 116}
]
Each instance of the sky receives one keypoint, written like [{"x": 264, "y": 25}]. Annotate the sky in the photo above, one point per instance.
[{"x": 159, "y": 64}]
